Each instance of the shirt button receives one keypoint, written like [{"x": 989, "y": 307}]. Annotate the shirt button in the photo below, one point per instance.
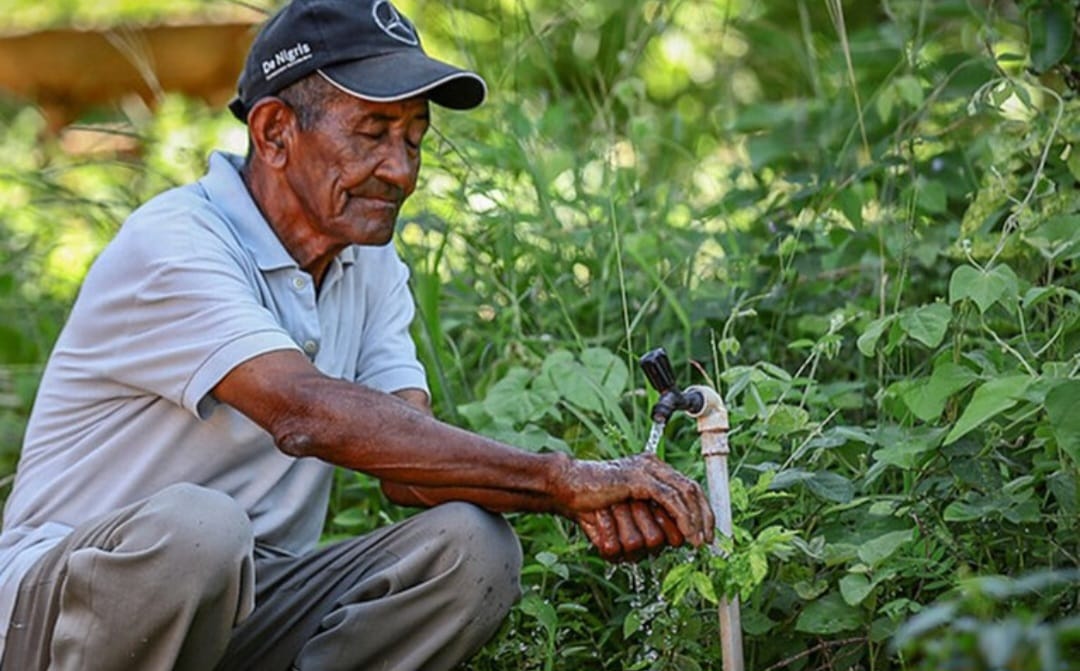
[
  {"x": 310, "y": 346},
  {"x": 299, "y": 282}
]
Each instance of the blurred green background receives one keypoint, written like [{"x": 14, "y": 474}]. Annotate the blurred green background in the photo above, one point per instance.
[{"x": 859, "y": 220}]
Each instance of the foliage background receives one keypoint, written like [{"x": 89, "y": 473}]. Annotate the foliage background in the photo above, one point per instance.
[{"x": 859, "y": 220}]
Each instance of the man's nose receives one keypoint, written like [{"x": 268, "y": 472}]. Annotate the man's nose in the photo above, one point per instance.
[{"x": 399, "y": 165}]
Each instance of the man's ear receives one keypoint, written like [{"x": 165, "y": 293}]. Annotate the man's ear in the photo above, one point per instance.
[{"x": 272, "y": 124}]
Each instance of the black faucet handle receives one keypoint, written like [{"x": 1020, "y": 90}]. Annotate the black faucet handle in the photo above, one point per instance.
[{"x": 657, "y": 368}]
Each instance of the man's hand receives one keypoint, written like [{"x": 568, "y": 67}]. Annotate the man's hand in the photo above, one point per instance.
[
  {"x": 635, "y": 505},
  {"x": 630, "y": 531}
]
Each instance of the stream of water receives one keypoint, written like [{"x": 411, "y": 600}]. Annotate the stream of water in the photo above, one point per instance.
[{"x": 654, "y": 437}]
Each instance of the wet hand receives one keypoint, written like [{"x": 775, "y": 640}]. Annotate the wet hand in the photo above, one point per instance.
[
  {"x": 630, "y": 531},
  {"x": 617, "y": 503}
]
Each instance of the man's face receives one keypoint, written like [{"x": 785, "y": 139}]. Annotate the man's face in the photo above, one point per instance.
[{"x": 355, "y": 166}]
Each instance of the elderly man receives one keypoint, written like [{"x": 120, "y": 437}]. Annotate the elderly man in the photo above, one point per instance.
[{"x": 239, "y": 338}]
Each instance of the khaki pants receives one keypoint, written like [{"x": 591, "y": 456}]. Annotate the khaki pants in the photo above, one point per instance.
[{"x": 174, "y": 582}]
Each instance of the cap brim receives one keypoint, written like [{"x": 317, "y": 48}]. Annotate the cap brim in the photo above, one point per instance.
[{"x": 407, "y": 74}]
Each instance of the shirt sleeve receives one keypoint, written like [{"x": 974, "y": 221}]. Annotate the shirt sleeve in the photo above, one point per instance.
[
  {"x": 171, "y": 307},
  {"x": 387, "y": 359}
]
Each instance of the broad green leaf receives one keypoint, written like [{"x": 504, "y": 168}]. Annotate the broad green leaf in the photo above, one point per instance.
[
  {"x": 703, "y": 585},
  {"x": 927, "y": 323},
  {"x": 631, "y": 624},
  {"x": 855, "y": 587},
  {"x": 976, "y": 508},
  {"x": 1063, "y": 411},
  {"x": 508, "y": 398},
  {"x": 789, "y": 478},
  {"x": 809, "y": 591},
  {"x": 607, "y": 369},
  {"x": 1050, "y": 31},
  {"x": 831, "y": 486},
  {"x": 754, "y": 622},
  {"x": 828, "y": 615},
  {"x": 541, "y": 610},
  {"x": 908, "y": 452},
  {"x": 573, "y": 381},
  {"x": 927, "y": 398},
  {"x": 983, "y": 287},
  {"x": 784, "y": 419},
  {"x": 990, "y": 399},
  {"x": 869, "y": 338},
  {"x": 1057, "y": 237},
  {"x": 875, "y": 551}
]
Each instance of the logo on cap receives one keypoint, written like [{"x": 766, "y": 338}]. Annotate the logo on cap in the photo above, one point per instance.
[{"x": 391, "y": 23}]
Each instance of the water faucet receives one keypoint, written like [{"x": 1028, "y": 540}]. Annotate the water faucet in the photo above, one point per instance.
[{"x": 657, "y": 369}]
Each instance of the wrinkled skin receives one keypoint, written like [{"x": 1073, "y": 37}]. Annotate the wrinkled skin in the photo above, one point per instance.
[{"x": 342, "y": 181}]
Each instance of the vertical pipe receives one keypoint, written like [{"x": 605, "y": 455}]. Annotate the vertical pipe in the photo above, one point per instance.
[{"x": 713, "y": 427}]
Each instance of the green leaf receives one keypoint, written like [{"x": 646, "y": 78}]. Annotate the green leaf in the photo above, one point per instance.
[
  {"x": 1063, "y": 410},
  {"x": 353, "y": 517},
  {"x": 508, "y": 398},
  {"x": 607, "y": 369},
  {"x": 855, "y": 587},
  {"x": 572, "y": 381},
  {"x": 828, "y": 615},
  {"x": 541, "y": 610},
  {"x": 910, "y": 90},
  {"x": 927, "y": 323},
  {"x": 785, "y": 419},
  {"x": 1057, "y": 237},
  {"x": 631, "y": 624},
  {"x": 908, "y": 452},
  {"x": 875, "y": 551},
  {"x": 927, "y": 398},
  {"x": 990, "y": 399},
  {"x": 831, "y": 486},
  {"x": 869, "y": 338},
  {"x": 1050, "y": 31},
  {"x": 983, "y": 287},
  {"x": 977, "y": 508},
  {"x": 703, "y": 585},
  {"x": 932, "y": 197}
]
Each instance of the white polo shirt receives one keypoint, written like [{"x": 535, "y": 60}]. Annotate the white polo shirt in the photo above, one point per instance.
[{"x": 195, "y": 283}]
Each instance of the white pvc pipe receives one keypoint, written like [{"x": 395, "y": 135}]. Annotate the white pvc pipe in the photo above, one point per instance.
[{"x": 713, "y": 427}]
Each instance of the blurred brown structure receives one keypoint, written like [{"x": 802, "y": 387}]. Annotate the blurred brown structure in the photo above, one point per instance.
[{"x": 66, "y": 71}]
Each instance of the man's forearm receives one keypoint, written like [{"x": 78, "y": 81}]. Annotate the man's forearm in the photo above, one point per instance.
[{"x": 495, "y": 500}]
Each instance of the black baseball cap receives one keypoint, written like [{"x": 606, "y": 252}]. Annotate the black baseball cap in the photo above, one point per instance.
[{"x": 366, "y": 48}]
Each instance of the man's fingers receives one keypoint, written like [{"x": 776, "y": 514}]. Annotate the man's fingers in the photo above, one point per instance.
[
  {"x": 630, "y": 536},
  {"x": 651, "y": 531},
  {"x": 667, "y": 526},
  {"x": 683, "y": 500},
  {"x": 600, "y": 527}
]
